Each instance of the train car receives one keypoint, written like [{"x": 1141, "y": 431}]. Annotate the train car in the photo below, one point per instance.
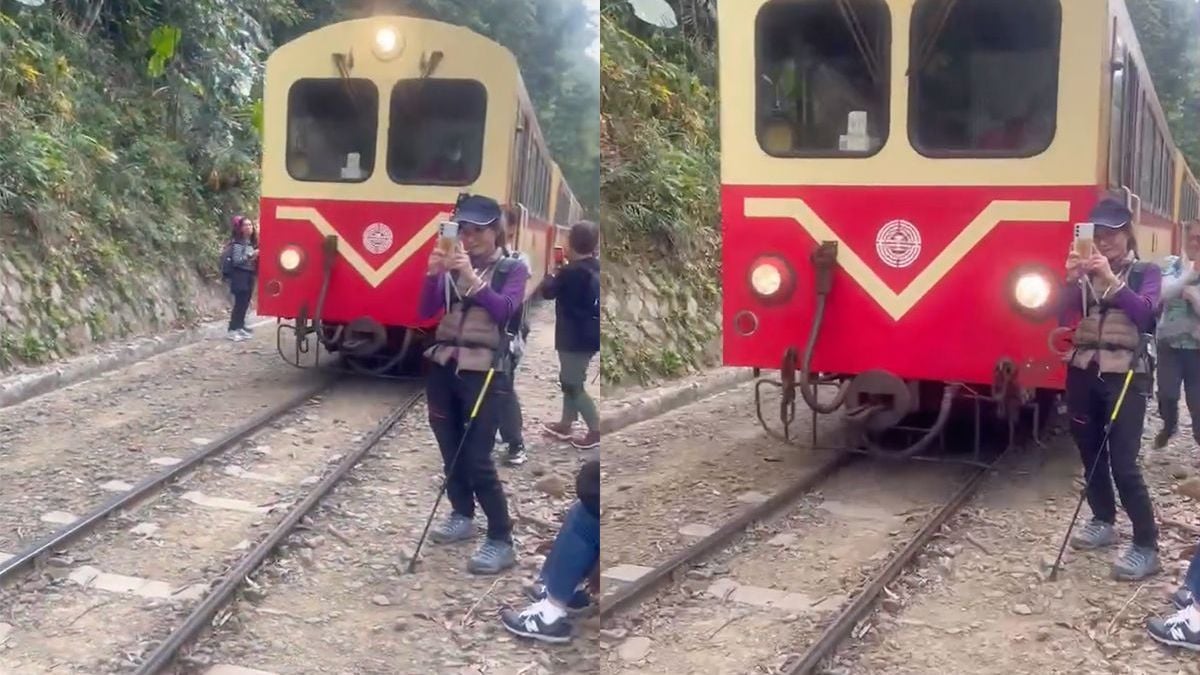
[
  {"x": 899, "y": 184},
  {"x": 373, "y": 128},
  {"x": 567, "y": 211},
  {"x": 1187, "y": 195}
]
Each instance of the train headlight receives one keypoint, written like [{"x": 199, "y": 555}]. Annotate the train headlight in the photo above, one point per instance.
[
  {"x": 388, "y": 43},
  {"x": 1032, "y": 290},
  {"x": 291, "y": 259},
  {"x": 771, "y": 279}
]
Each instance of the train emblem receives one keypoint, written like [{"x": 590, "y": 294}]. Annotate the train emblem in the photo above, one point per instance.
[
  {"x": 898, "y": 244},
  {"x": 377, "y": 238}
]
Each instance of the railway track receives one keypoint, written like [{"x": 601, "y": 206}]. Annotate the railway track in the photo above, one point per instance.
[
  {"x": 833, "y": 627},
  {"x": 51, "y": 642}
]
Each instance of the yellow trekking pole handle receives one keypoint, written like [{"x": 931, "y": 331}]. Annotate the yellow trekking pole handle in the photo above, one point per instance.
[
  {"x": 491, "y": 371},
  {"x": 1120, "y": 398}
]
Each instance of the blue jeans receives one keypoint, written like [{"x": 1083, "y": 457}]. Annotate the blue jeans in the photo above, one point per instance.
[
  {"x": 575, "y": 553},
  {"x": 1192, "y": 580}
]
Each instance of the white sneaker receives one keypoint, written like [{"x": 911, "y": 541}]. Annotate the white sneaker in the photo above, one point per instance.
[
  {"x": 236, "y": 336},
  {"x": 246, "y": 334}
]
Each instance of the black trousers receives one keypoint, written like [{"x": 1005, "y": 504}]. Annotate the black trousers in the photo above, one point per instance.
[
  {"x": 1090, "y": 400},
  {"x": 241, "y": 303},
  {"x": 1176, "y": 368},
  {"x": 511, "y": 420},
  {"x": 451, "y": 396}
]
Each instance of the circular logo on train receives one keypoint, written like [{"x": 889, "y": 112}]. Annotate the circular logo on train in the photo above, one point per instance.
[
  {"x": 898, "y": 243},
  {"x": 377, "y": 238}
]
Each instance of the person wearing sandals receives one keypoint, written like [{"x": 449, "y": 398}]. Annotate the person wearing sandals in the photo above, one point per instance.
[
  {"x": 1115, "y": 297},
  {"x": 576, "y": 291},
  {"x": 576, "y": 552},
  {"x": 479, "y": 288},
  {"x": 244, "y": 269}
]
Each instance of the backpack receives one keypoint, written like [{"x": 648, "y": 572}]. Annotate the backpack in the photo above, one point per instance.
[
  {"x": 227, "y": 261},
  {"x": 517, "y": 328}
]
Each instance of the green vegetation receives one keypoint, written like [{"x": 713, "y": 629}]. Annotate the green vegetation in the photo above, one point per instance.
[
  {"x": 129, "y": 135},
  {"x": 1168, "y": 31}
]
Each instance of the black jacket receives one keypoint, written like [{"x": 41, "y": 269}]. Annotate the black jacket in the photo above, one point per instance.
[
  {"x": 576, "y": 292},
  {"x": 587, "y": 486}
]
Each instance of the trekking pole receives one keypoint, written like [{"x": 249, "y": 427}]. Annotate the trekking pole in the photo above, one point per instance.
[
  {"x": 487, "y": 381},
  {"x": 1087, "y": 481}
]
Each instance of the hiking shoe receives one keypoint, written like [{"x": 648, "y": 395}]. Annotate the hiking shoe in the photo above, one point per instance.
[
  {"x": 516, "y": 456},
  {"x": 1163, "y": 437},
  {"x": 540, "y": 621},
  {"x": 1096, "y": 534},
  {"x": 578, "y": 604},
  {"x": 235, "y": 336},
  {"x": 454, "y": 528},
  {"x": 1182, "y": 598},
  {"x": 492, "y": 558},
  {"x": 586, "y": 441},
  {"x": 560, "y": 431},
  {"x": 1181, "y": 629},
  {"x": 247, "y": 333},
  {"x": 1136, "y": 563}
]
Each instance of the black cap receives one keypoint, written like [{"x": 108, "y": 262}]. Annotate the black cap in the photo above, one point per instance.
[
  {"x": 477, "y": 210},
  {"x": 1111, "y": 213}
]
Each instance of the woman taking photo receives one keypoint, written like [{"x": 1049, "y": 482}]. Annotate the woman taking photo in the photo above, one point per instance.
[{"x": 1115, "y": 298}]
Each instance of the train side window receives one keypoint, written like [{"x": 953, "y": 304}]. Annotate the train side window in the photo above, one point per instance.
[
  {"x": 823, "y": 74},
  {"x": 331, "y": 131},
  {"x": 984, "y": 77},
  {"x": 436, "y": 132},
  {"x": 1117, "y": 109}
]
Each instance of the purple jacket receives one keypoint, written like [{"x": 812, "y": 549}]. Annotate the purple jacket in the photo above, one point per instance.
[
  {"x": 1140, "y": 306},
  {"x": 499, "y": 305}
]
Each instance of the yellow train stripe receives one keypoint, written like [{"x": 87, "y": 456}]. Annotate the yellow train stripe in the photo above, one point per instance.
[
  {"x": 899, "y": 304},
  {"x": 373, "y": 276}
]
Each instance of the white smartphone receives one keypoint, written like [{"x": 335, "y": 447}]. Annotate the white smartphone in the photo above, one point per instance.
[
  {"x": 449, "y": 235},
  {"x": 1084, "y": 238}
]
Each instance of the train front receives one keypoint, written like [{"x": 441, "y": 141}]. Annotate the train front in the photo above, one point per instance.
[
  {"x": 899, "y": 181},
  {"x": 372, "y": 128}
]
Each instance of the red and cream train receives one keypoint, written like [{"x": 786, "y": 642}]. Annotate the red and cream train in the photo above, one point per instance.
[
  {"x": 900, "y": 179},
  {"x": 372, "y": 129}
]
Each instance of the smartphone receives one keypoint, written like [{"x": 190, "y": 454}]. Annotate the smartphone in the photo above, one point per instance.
[
  {"x": 1084, "y": 238},
  {"x": 560, "y": 256},
  {"x": 449, "y": 235}
]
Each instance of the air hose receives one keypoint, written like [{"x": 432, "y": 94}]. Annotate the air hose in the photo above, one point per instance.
[{"x": 823, "y": 259}]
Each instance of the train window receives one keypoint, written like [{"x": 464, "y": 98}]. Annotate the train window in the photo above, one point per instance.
[
  {"x": 435, "y": 136},
  {"x": 331, "y": 132},
  {"x": 984, "y": 77},
  {"x": 1117, "y": 110},
  {"x": 823, "y": 77}
]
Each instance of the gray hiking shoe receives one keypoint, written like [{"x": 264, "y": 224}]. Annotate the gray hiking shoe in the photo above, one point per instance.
[
  {"x": 1181, "y": 598},
  {"x": 1095, "y": 534},
  {"x": 492, "y": 558},
  {"x": 454, "y": 528},
  {"x": 1135, "y": 564}
]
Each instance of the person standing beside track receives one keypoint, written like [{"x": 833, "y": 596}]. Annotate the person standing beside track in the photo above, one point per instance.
[
  {"x": 511, "y": 420},
  {"x": 467, "y": 344},
  {"x": 576, "y": 292},
  {"x": 1117, "y": 297},
  {"x": 243, "y": 269},
  {"x": 1179, "y": 343}
]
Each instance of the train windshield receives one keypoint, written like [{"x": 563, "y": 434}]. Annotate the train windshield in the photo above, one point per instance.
[
  {"x": 437, "y": 130},
  {"x": 984, "y": 77},
  {"x": 823, "y": 77},
  {"x": 332, "y": 127}
]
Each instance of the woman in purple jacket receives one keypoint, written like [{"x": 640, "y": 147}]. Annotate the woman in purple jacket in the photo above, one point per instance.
[{"x": 479, "y": 294}]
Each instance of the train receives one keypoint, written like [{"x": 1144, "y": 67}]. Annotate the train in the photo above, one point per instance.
[
  {"x": 372, "y": 130},
  {"x": 899, "y": 184}
]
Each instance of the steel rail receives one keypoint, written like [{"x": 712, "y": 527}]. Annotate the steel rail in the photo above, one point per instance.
[
  {"x": 200, "y": 617},
  {"x": 849, "y": 617},
  {"x": 26, "y": 558},
  {"x": 645, "y": 584}
]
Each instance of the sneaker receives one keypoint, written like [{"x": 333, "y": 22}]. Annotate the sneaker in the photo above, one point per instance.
[
  {"x": 516, "y": 456},
  {"x": 560, "y": 431},
  {"x": 1096, "y": 534},
  {"x": 1135, "y": 564},
  {"x": 1163, "y": 437},
  {"x": 454, "y": 528},
  {"x": 1181, "y": 629},
  {"x": 235, "y": 336},
  {"x": 247, "y": 332},
  {"x": 586, "y": 441},
  {"x": 492, "y": 558},
  {"x": 540, "y": 621},
  {"x": 578, "y": 604},
  {"x": 1182, "y": 598}
]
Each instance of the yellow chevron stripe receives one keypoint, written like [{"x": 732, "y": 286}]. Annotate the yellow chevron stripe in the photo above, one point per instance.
[
  {"x": 373, "y": 276},
  {"x": 899, "y": 304}
]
